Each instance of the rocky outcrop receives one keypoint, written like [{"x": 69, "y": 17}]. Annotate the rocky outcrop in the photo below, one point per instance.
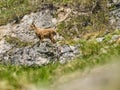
[
  {"x": 20, "y": 46},
  {"x": 37, "y": 54}
]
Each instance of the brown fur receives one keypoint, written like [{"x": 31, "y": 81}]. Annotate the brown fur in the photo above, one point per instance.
[{"x": 44, "y": 33}]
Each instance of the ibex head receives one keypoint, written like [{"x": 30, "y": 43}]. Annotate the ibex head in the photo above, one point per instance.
[{"x": 32, "y": 26}]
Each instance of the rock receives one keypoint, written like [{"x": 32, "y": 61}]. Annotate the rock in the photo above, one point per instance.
[
  {"x": 5, "y": 30},
  {"x": 115, "y": 14},
  {"x": 54, "y": 21},
  {"x": 68, "y": 53},
  {"x": 41, "y": 61},
  {"x": 115, "y": 37},
  {"x": 4, "y": 46},
  {"x": 100, "y": 39},
  {"x": 38, "y": 54},
  {"x": 116, "y": 1},
  {"x": 66, "y": 48}
]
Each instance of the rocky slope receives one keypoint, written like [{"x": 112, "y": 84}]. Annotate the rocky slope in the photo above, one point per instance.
[{"x": 19, "y": 45}]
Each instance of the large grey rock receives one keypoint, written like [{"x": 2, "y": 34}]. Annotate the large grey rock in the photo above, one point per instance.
[
  {"x": 39, "y": 54},
  {"x": 100, "y": 39}
]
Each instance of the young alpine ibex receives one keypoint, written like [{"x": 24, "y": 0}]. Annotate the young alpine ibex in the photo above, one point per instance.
[{"x": 44, "y": 33}]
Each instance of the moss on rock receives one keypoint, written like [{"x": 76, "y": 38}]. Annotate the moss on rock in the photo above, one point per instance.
[{"x": 17, "y": 42}]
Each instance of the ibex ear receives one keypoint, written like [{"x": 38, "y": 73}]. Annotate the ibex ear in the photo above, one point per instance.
[{"x": 33, "y": 22}]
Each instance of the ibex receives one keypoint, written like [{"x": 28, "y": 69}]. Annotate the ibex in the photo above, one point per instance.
[{"x": 44, "y": 33}]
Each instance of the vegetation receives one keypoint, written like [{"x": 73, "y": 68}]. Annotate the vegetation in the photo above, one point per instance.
[
  {"x": 92, "y": 54},
  {"x": 17, "y": 42},
  {"x": 94, "y": 19},
  {"x": 11, "y": 10}
]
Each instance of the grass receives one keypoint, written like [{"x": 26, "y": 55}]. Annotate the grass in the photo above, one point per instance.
[
  {"x": 16, "y": 75},
  {"x": 93, "y": 54},
  {"x": 11, "y": 10}
]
